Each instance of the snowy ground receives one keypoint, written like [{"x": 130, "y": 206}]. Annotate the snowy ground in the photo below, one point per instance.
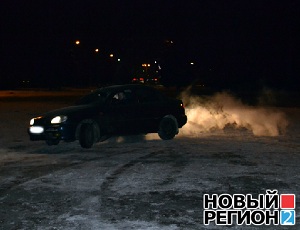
[{"x": 137, "y": 182}]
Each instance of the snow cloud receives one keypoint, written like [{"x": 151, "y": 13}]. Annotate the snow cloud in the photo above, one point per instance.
[{"x": 222, "y": 109}]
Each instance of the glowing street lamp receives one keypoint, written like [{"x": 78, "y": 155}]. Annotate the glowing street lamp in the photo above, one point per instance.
[
  {"x": 111, "y": 55},
  {"x": 96, "y": 50},
  {"x": 77, "y": 42},
  {"x": 146, "y": 67}
]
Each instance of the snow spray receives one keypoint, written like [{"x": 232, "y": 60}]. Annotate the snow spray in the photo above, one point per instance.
[{"x": 209, "y": 113}]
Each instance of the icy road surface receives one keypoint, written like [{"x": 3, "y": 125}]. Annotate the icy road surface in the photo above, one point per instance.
[{"x": 136, "y": 182}]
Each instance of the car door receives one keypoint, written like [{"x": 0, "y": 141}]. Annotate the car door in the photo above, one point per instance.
[
  {"x": 150, "y": 108},
  {"x": 122, "y": 112}
]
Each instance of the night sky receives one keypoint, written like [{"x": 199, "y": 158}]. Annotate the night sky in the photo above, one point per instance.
[{"x": 247, "y": 44}]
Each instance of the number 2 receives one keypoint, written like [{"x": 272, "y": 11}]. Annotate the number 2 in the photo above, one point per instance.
[{"x": 288, "y": 220}]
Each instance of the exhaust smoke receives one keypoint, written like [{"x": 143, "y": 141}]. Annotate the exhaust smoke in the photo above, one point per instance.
[{"x": 206, "y": 114}]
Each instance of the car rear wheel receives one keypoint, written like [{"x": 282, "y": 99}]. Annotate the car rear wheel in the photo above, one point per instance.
[
  {"x": 86, "y": 135},
  {"x": 168, "y": 128}
]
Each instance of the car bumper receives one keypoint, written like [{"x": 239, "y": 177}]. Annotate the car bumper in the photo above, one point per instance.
[{"x": 58, "y": 132}]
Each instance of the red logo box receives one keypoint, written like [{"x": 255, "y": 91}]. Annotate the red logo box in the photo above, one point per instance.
[{"x": 287, "y": 201}]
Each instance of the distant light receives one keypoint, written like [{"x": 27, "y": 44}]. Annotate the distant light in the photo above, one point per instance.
[
  {"x": 77, "y": 42},
  {"x": 155, "y": 62},
  {"x": 192, "y": 63},
  {"x": 96, "y": 50},
  {"x": 148, "y": 65},
  {"x": 111, "y": 55},
  {"x": 119, "y": 59}
]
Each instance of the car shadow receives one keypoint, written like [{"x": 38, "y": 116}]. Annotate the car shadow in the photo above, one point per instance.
[{"x": 126, "y": 139}]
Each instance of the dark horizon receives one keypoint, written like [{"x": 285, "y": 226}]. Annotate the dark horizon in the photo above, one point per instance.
[{"x": 233, "y": 44}]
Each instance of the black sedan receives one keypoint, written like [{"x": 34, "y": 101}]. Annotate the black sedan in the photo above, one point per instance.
[{"x": 113, "y": 110}]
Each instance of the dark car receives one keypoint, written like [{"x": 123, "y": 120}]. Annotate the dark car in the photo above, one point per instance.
[{"x": 113, "y": 110}]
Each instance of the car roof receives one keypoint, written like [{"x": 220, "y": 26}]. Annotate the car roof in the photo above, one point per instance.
[{"x": 114, "y": 88}]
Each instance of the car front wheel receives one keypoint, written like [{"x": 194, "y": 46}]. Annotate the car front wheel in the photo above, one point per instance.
[
  {"x": 168, "y": 128},
  {"x": 86, "y": 135}
]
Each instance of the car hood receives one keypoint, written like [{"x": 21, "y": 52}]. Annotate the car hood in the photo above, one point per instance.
[{"x": 70, "y": 110}]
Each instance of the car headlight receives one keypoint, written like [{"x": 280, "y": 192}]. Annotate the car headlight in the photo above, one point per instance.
[
  {"x": 36, "y": 129},
  {"x": 59, "y": 119},
  {"x": 31, "y": 121}
]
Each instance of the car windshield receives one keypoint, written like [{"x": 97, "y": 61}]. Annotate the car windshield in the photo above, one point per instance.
[{"x": 95, "y": 97}]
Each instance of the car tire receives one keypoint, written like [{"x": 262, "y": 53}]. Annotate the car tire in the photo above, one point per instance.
[
  {"x": 86, "y": 135},
  {"x": 168, "y": 128},
  {"x": 52, "y": 142}
]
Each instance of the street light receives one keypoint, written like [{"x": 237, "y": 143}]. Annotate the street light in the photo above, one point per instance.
[
  {"x": 77, "y": 42},
  {"x": 96, "y": 50},
  {"x": 146, "y": 67}
]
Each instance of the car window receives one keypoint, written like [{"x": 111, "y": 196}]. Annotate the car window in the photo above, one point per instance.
[
  {"x": 94, "y": 97},
  {"x": 148, "y": 95},
  {"x": 122, "y": 97}
]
